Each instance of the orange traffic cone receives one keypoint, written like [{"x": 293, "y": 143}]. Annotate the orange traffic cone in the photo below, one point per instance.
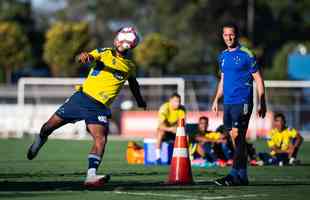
[{"x": 180, "y": 169}]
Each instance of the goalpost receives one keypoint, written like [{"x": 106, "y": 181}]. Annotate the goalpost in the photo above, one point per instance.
[{"x": 39, "y": 97}]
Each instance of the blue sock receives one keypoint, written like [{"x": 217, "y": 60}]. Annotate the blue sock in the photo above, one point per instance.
[
  {"x": 93, "y": 161},
  {"x": 243, "y": 174},
  {"x": 233, "y": 172},
  {"x": 227, "y": 152}
]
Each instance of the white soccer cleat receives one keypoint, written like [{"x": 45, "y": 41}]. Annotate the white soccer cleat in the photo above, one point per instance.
[
  {"x": 35, "y": 147},
  {"x": 96, "y": 180}
]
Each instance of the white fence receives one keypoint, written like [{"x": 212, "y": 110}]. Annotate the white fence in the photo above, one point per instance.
[{"x": 39, "y": 98}]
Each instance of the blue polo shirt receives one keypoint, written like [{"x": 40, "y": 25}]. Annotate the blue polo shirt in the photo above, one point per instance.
[{"x": 238, "y": 66}]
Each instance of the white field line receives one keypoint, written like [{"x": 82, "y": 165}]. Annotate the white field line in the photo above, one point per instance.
[
  {"x": 188, "y": 196},
  {"x": 145, "y": 194}
]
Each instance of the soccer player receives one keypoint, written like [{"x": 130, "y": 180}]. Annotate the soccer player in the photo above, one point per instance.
[
  {"x": 208, "y": 144},
  {"x": 110, "y": 68},
  {"x": 169, "y": 113},
  {"x": 238, "y": 69},
  {"x": 283, "y": 142}
]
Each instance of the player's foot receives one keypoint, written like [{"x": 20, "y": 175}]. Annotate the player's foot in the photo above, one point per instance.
[
  {"x": 220, "y": 162},
  {"x": 36, "y": 146},
  {"x": 293, "y": 161},
  {"x": 229, "y": 162},
  {"x": 253, "y": 162},
  {"x": 96, "y": 181},
  {"x": 243, "y": 182},
  {"x": 230, "y": 180}
]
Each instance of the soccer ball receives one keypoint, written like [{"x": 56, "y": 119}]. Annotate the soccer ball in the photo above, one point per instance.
[{"x": 127, "y": 38}]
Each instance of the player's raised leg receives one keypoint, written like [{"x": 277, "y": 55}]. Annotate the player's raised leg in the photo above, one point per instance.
[
  {"x": 52, "y": 124},
  {"x": 99, "y": 133}
]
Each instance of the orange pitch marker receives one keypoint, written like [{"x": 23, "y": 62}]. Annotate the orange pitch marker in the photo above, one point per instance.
[{"x": 180, "y": 169}]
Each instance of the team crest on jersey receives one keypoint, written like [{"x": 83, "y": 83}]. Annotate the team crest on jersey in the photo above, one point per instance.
[
  {"x": 113, "y": 61},
  {"x": 118, "y": 76},
  {"x": 102, "y": 118},
  {"x": 237, "y": 59}
]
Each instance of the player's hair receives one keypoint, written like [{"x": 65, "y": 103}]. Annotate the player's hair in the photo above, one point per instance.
[
  {"x": 232, "y": 25},
  {"x": 280, "y": 115},
  {"x": 175, "y": 95},
  {"x": 204, "y": 118}
]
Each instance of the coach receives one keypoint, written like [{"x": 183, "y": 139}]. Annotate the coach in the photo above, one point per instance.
[{"x": 238, "y": 69}]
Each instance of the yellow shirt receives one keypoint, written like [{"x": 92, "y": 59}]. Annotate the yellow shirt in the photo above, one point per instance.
[
  {"x": 213, "y": 136},
  {"x": 170, "y": 116},
  {"x": 281, "y": 139},
  {"x": 107, "y": 76}
]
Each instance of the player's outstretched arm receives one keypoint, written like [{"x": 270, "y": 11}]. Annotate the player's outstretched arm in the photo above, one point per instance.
[
  {"x": 135, "y": 89},
  {"x": 261, "y": 93},
  {"x": 218, "y": 94},
  {"x": 85, "y": 58}
]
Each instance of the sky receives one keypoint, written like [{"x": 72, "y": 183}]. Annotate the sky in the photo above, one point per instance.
[{"x": 48, "y": 5}]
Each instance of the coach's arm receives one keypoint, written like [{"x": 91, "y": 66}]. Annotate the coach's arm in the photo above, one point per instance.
[
  {"x": 261, "y": 93},
  {"x": 218, "y": 95},
  {"x": 135, "y": 89}
]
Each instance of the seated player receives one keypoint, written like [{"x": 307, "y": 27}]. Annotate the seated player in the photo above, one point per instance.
[
  {"x": 110, "y": 68},
  {"x": 169, "y": 114},
  {"x": 228, "y": 149},
  {"x": 283, "y": 142},
  {"x": 209, "y": 145}
]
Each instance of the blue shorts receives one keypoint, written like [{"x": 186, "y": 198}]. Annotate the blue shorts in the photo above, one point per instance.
[
  {"x": 82, "y": 107},
  {"x": 237, "y": 116}
]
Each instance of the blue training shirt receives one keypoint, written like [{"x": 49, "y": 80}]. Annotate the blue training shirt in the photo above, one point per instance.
[{"x": 238, "y": 66}]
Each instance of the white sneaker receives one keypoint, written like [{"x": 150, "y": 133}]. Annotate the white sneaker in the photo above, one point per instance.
[
  {"x": 281, "y": 163},
  {"x": 294, "y": 161},
  {"x": 96, "y": 180},
  {"x": 291, "y": 161},
  {"x": 260, "y": 163},
  {"x": 35, "y": 147}
]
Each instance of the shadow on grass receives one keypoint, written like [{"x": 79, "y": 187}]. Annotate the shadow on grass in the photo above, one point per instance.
[
  {"x": 31, "y": 186},
  {"x": 41, "y": 186},
  {"x": 75, "y": 174}
]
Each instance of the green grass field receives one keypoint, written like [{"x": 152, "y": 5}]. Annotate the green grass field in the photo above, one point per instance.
[{"x": 58, "y": 173}]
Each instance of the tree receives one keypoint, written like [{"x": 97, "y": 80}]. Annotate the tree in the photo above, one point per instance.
[
  {"x": 154, "y": 53},
  {"x": 15, "y": 49},
  {"x": 64, "y": 40}
]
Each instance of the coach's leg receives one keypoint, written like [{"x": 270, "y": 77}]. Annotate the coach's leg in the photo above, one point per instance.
[
  {"x": 240, "y": 155},
  {"x": 48, "y": 127},
  {"x": 99, "y": 134},
  {"x": 242, "y": 114}
]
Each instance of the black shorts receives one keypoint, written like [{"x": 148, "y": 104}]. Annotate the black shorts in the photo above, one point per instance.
[
  {"x": 237, "y": 116},
  {"x": 82, "y": 107}
]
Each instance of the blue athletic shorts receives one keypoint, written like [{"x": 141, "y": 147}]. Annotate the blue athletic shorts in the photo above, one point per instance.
[
  {"x": 237, "y": 116},
  {"x": 82, "y": 107}
]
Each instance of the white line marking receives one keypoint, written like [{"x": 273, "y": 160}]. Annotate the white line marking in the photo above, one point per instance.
[{"x": 188, "y": 196}]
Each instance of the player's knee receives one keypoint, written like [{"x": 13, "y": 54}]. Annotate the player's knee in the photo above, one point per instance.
[{"x": 100, "y": 140}]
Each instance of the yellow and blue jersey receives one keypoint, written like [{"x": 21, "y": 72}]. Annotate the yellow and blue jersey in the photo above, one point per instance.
[
  {"x": 107, "y": 76},
  {"x": 211, "y": 136},
  {"x": 237, "y": 66},
  {"x": 170, "y": 116},
  {"x": 281, "y": 139}
]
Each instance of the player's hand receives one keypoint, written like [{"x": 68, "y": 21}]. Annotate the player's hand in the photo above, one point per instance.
[
  {"x": 85, "y": 58},
  {"x": 262, "y": 110},
  {"x": 215, "y": 107},
  {"x": 173, "y": 129},
  {"x": 142, "y": 105}
]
